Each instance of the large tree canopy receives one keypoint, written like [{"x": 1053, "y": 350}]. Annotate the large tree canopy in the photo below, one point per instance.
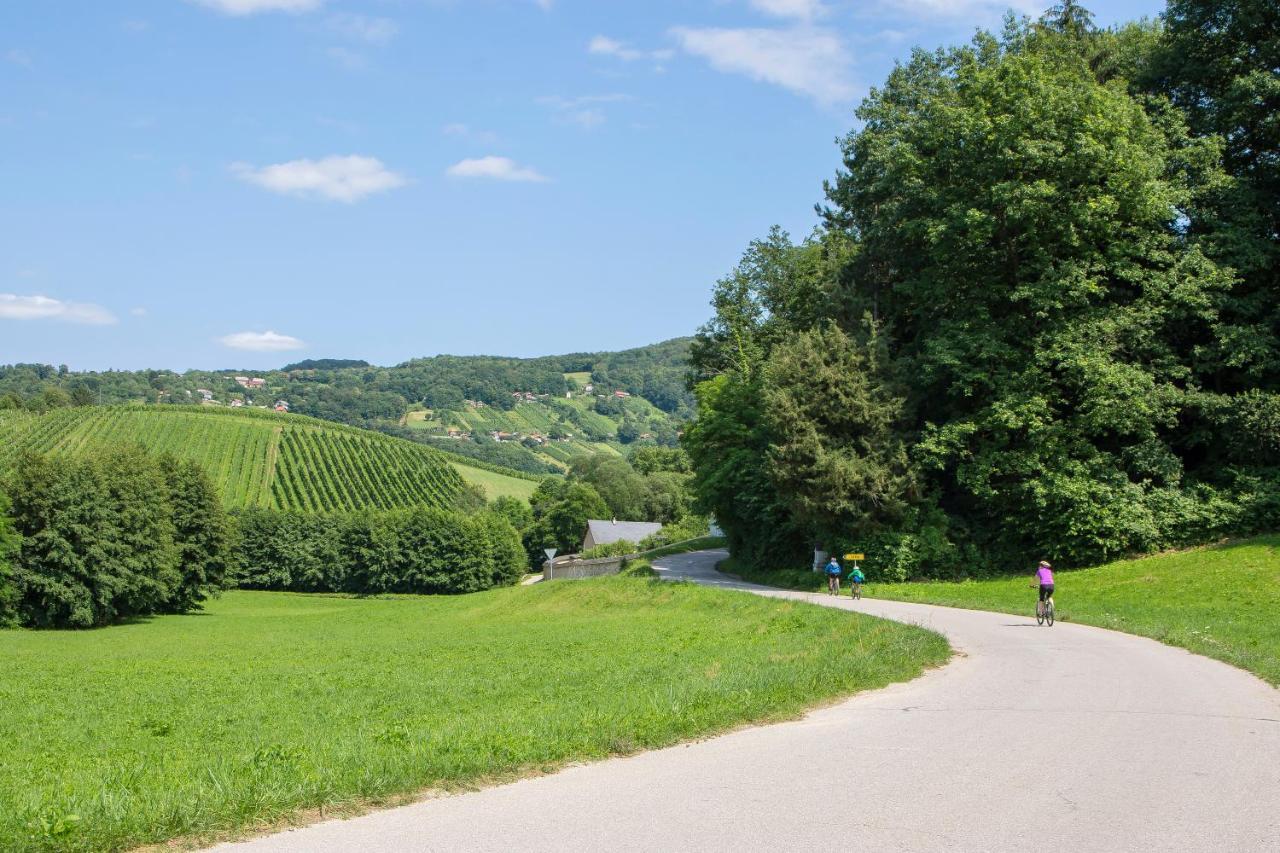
[{"x": 1055, "y": 368}]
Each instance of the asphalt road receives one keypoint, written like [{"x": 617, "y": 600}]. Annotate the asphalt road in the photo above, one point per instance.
[{"x": 1033, "y": 739}]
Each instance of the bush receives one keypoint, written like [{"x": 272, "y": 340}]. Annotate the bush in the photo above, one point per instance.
[
  {"x": 690, "y": 527},
  {"x": 104, "y": 538},
  {"x": 9, "y": 542},
  {"x": 621, "y": 548},
  {"x": 420, "y": 551}
]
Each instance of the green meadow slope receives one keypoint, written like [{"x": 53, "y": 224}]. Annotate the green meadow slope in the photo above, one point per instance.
[
  {"x": 257, "y": 458},
  {"x": 1222, "y": 601},
  {"x": 267, "y": 703}
]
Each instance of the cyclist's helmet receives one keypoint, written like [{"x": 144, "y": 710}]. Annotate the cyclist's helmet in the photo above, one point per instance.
[{"x": 1044, "y": 564}]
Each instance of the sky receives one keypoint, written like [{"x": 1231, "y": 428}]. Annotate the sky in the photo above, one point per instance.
[{"x": 244, "y": 183}]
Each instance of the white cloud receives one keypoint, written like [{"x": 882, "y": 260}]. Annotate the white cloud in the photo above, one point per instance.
[
  {"x": 809, "y": 61},
  {"x": 605, "y": 46},
  {"x": 15, "y": 307},
  {"x": 466, "y": 131},
  {"x": 261, "y": 341},
  {"x": 583, "y": 110},
  {"x": 495, "y": 168},
  {"x": 802, "y": 10},
  {"x": 362, "y": 28},
  {"x": 252, "y": 7},
  {"x": 345, "y": 179}
]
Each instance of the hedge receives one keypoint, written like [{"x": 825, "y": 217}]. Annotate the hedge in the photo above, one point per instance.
[{"x": 399, "y": 551}]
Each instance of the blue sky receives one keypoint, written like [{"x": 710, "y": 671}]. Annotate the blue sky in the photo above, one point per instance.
[{"x": 243, "y": 183}]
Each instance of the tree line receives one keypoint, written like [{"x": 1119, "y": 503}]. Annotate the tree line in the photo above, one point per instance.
[
  {"x": 123, "y": 533},
  {"x": 1039, "y": 318},
  {"x": 357, "y": 393}
]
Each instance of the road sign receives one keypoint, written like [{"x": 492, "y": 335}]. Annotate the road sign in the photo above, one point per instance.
[
  {"x": 855, "y": 556},
  {"x": 551, "y": 560}
]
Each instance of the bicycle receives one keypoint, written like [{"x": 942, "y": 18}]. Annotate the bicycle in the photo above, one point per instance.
[
  {"x": 833, "y": 584},
  {"x": 1044, "y": 612}
]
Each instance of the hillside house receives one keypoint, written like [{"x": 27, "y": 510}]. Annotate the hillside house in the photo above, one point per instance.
[
  {"x": 621, "y": 395},
  {"x": 205, "y": 394},
  {"x": 282, "y": 406},
  {"x": 250, "y": 382},
  {"x": 608, "y": 532},
  {"x": 236, "y": 404}
]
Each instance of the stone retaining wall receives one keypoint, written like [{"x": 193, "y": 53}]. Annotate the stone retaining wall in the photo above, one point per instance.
[{"x": 571, "y": 568}]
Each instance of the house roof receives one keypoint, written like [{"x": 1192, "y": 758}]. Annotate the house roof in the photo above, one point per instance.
[{"x": 608, "y": 532}]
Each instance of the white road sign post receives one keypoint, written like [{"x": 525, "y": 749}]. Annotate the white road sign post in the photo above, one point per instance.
[{"x": 551, "y": 562}]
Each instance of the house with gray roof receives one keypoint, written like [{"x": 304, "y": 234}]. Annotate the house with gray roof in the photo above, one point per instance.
[{"x": 608, "y": 532}]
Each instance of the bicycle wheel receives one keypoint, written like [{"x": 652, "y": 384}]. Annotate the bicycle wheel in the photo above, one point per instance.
[
  {"x": 1039, "y": 615},
  {"x": 1048, "y": 614}
]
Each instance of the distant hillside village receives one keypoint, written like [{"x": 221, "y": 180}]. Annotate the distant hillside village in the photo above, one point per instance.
[{"x": 250, "y": 383}]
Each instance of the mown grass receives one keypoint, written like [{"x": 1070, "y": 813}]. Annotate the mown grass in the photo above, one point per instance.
[
  {"x": 496, "y": 485},
  {"x": 268, "y": 703},
  {"x": 1222, "y": 600}
]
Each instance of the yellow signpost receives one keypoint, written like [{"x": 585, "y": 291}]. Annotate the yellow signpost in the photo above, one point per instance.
[{"x": 855, "y": 556}]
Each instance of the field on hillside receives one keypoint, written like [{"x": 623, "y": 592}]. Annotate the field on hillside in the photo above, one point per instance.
[
  {"x": 1221, "y": 601},
  {"x": 267, "y": 703},
  {"x": 256, "y": 458},
  {"x": 496, "y": 485}
]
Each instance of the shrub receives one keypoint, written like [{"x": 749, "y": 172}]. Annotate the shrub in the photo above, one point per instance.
[
  {"x": 201, "y": 534},
  {"x": 104, "y": 538},
  {"x": 690, "y": 527},
  {"x": 9, "y": 543},
  {"x": 621, "y": 548}
]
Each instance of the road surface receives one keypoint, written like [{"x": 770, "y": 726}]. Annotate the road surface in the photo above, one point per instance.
[{"x": 1048, "y": 739}]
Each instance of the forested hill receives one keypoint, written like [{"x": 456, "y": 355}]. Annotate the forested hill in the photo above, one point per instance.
[{"x": 530, "y": 414}]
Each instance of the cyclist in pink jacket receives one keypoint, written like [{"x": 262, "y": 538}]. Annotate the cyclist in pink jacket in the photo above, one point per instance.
[{"x": 1044, "y": 575}]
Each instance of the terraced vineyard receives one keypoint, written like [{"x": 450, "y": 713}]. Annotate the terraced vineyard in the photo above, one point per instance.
[
  {"x": 257, "y": 458},
  {"x": 591, "y": 431}
]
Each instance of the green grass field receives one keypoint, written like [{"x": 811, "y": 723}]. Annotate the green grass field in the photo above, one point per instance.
[
  {"x": 202, "y": 725},
  {"x": 496, "y": 485},
  {"x": 1222, "y": 601},
  {"x": 255, "y": 457}
]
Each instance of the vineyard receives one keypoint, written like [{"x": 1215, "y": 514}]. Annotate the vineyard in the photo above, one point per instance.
[
  {"x": 257, "y": 458},
  {"x": 581, "y": 430}
]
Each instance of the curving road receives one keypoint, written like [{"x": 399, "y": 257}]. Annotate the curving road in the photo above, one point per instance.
[{"x": 1063, "y": 739}]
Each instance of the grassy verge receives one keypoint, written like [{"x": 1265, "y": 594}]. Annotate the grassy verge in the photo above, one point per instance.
[
  {"x": 804, "y": 580},
  {"x": 270, "y": 703},
  {"x": 704, "y": 543},
  {"x": 1221, "y": 601}
]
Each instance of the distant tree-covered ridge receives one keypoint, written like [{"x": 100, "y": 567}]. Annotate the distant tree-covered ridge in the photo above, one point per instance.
[
  {"x": 325, "y": 364},
  {"x": 544, "y": 410}
]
